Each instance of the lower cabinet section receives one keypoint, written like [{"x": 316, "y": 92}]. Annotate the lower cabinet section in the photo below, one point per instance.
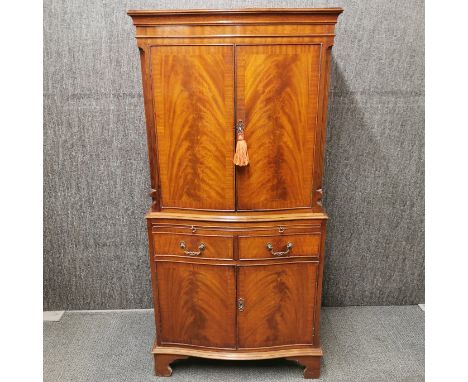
[
  {"x": 275, "y": 304},
  {"x": 251, "y": 291}
]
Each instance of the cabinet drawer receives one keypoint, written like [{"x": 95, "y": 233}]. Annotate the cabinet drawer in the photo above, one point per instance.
[
  {"x": 277, "y": 246},
  {"x": 190, "y": 245}
]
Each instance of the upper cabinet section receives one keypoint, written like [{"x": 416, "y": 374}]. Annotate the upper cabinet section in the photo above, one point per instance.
[{"x": 203, "y": 72}]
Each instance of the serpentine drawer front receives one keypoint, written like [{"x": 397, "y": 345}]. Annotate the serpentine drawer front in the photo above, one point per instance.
[
  {"x": 279, "y": 246},
  {"x": 193, "y": 245},
  {"x": 236, "y": 107}
]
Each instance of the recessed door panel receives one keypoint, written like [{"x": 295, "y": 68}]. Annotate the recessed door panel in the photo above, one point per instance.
[
  {"x": 197, "y": 304},
  {"x": 277, "y": 98},
  {"x": 278, "y": 304},
  {"x": 194, "y": 114}
]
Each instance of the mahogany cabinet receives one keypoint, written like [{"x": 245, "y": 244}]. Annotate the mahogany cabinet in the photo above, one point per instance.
[{"x": 236, "y": 251}]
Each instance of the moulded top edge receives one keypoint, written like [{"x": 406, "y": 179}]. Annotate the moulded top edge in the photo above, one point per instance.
[
  {"x": 241, "y": 11},
  {"x": 237, "y": 217}
]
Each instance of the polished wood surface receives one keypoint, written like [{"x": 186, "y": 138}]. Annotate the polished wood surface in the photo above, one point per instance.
[
  {"x": 236, "y": 254},
  {"x": 197, "y": 304},
  {"x": 279, "y": 304},
  {"x": 217, "y": 247},
  {"x": 241, "y": 354},
  {"x": 256, "y": 247},
  {"x": 286, "y": 40},
  {"x": 311, "y": 366},
  {"x": 325, "y": 17},
  {"x": 311, "y": 362},
  {"x": 206, "y": 13},
  {"x": 193, "y": 92},
  {"x": 162, "y": 363},
  {"x": 202, "y": 227},
  {"x": 277, "y": 92},
  {"x": 238, "y": 217}
]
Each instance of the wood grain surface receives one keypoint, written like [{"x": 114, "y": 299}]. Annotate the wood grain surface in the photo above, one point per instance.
[
  {"x": 277, "y": 97},
  {"x": 193, "y": 92},
  {"x": 238, "y": 217},
  {"x": 217, "y": 247},
  {"x": 254, "y": 247},
  {"x": 279, "y": 304},
  {"x": 197, "y": 304},
  {"x": 242, "y": 354},
  {"x": 204, "y": 71}
]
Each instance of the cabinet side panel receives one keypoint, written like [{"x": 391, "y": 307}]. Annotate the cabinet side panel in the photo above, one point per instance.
[
  {"x": 193, "y": 95},
  {"x": 197, "y": 304}
]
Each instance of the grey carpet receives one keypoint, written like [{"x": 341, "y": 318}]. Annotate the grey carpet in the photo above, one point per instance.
[{"x": 374, "y": 344}]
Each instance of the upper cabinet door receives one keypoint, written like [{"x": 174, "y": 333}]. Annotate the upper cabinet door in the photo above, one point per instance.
[
  {"x": 194, "y": 115},
  {"x": 277, "y": 98}
]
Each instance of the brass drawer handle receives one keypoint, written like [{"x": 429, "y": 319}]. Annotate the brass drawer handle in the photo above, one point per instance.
[
  {"x": 280, "y": 253},
  {"x": 201, "y": 248}
]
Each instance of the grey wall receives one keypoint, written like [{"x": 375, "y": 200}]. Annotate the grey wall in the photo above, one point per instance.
[{"x": 95, "y": 160}]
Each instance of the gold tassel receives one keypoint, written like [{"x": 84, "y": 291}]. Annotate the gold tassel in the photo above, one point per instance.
[{"x": 241, "y": 157}]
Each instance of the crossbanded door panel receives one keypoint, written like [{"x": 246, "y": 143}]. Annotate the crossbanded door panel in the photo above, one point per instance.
[
  {"x": 194, "y": 112},
  {"x": 277, "y": 93},
  {"x": 197, "y": 304},
  {"x": 278, "y": 304}
]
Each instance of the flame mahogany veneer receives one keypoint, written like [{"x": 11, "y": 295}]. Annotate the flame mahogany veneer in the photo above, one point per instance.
[{"x": 236, "y": 253}]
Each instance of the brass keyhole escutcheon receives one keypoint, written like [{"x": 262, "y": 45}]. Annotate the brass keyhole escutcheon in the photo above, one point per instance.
[{"x": 240, "y": 304}]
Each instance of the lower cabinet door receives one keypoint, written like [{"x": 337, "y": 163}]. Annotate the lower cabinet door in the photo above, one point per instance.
[
  {"x": 276, "y": 304},
  {"x": 197, "y": 304}
]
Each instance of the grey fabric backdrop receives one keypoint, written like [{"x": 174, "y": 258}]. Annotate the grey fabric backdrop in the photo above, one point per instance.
[{"x": 96, "y": 175}]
